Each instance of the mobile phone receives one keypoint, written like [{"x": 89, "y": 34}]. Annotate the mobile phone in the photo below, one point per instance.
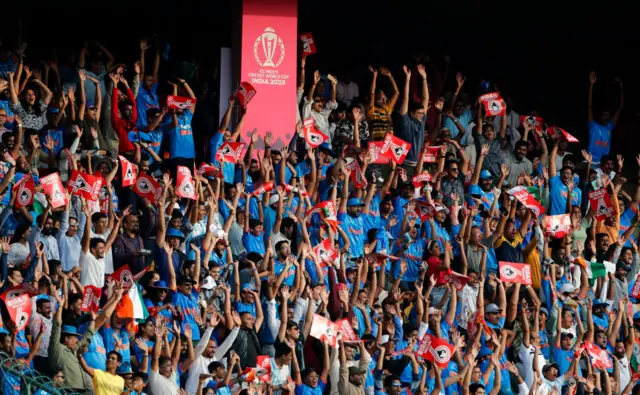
[{"x": 476, "y": 196}]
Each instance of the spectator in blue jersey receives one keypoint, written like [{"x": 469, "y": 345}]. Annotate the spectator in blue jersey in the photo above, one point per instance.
[
  {"x": 600, "y": 130},
  {"x": 147, "y": 98},
  {"x": 180, "y": 134}
]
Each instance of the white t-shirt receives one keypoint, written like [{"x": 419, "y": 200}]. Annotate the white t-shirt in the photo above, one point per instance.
[
  {"x": 526, "y": 356},
  {"x": 625, "y": 373},
  {"x": 279, "y": 376},
  {"x": 547, "y": 386},
  {"x": 108, "y": 257},
  {"x": 160, "y": 385},
  {"x": 92, "y": 270}
]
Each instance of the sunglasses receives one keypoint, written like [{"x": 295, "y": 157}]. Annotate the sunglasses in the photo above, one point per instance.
[{"x": 92, "y": 108}]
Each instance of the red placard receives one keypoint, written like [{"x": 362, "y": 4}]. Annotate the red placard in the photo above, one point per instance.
[
  {"x": 424, "y": 210},
  {"x": 24, "y": 191},
  {"x": 147, "y": 187},
  {"x": 52, "y": 186},
  {"x": 374, "y": 150},
  {"x": 184, "y": 181},
  {"x": 535, "y": 122},
  {"x": 493, "y": 104},
  {"x": 527, "y": 200},
  {"x": 245, "y": 93},
  {"x": 180, "y": 102},
  {"x": 325, "y": 252},
  {"x": 351, "y": 163},
  {"x": 377, "y": 259},
  {"x": 230, "y": 152},
  {"x": 269, "y": 63},
  {"x": 208, "y": 170},
  {"x": 419, "y": 179},
  {"x": 18, "y": 303},
  {"x": 431, "y": 154},
  {"x": 129, "y": 171},
  {"x": 599, "y": 357},
  {"x": 450, "y": 277},
  {"x": 308, "y": 45},
  {"x": 313, "y": 136},
  {"x": 433, "y": 349},
  {"x": 348, "y": 335},
  {"x": 511, "y": 272},
  {"x": 324, "y": 330},
  {"x": 263, "y": 364},
  {"x": 395, "y": 148},
  {"x": 601, "y": 203},
  {"x": 558, "y": 225},
  {"x": 84, "y": 185},
  {"x": 91, "y": 299}
]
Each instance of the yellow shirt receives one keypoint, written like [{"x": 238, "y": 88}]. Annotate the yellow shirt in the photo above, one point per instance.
[
  {"x": 107, "y": 384},
  {"x": 379, "y": 119}
]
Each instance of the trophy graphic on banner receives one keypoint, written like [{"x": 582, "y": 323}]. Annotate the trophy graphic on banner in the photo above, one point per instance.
[{"x": 269, "y": 40}]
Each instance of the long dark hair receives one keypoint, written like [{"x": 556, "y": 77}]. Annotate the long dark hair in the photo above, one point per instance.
[
  {"x": 20, "y": 230},
  {"x": 35, "y": 109}
]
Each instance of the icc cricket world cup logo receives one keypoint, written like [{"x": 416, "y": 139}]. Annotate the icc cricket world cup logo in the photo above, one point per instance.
[{"x": 266, "y": 47}]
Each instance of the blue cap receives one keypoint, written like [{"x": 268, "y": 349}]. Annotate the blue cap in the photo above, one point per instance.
[
  {"x": 354, "y": 202},
  {"x": 124, "y": 369},
  {"x": 248, "y": 286},
  {"x": 160, "y": 284},
  {"x": 133, "y": 136},
  {"x": 212, "y": 384},
  {"x": 69, "y": 330},
  {"x": 484, "y": 351},
  {"x": 485, "y": 174},
  {"x": 599, "y": 302},
  {"x": 636, "y": 315},
  {"x": 173, "y": 232},
  {"x": 325, "y": 147}
]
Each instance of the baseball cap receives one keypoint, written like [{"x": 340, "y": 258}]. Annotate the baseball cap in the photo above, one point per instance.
[
  {"x": 484, "y": 351},
  {"x": 185, "y": 280},
  {"x": 492, "y": 308},
  {"x": 544, "y": 310},
  {"x": 485, "y": 174},
  {"x": 598, "y": 302},
  {"x": 326, "y": 148},
  {"x": 208, "y": 283},
  {"x": 549, "y": 366},
  {"x": 275, "y": 199},
  {"x": 354, "y": 202},
  {"x": 567, "y": 288}
]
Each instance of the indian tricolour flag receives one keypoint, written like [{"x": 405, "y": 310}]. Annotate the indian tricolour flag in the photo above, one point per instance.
[{"x": 131, "y": 305}]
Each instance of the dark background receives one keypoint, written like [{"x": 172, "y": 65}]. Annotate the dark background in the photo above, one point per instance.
[{"x": 539, "y": 53}]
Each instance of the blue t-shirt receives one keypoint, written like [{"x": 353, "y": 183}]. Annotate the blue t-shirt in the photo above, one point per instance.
[
  {"x": 354, "y": 228},
  {"x": 109, "y": 336},
  {"x": 464, "y": 120},
  {"x": 181, "y": 137},
  {"x": 413, "y": 257},
  {"x": 166, "y": 315},
  {"x": 278, "y": 267},
  {"x": 306, "y": 390},
  {"x": 188, "y": 307},
  {"x": 253, "y": 243},
  {"x": 487, "y": 199},
  {"x": 96, "y": 355},
  {"x": 145, "y": 101},
  {"x": 599, "y": 139},
  {"x": 563, "y": 358},
  {"x": 57, "y": 136},
  {"x": 558, "y": 196}
]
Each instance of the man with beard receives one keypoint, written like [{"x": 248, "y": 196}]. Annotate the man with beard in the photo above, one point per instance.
[
  {"x": 47, "y": 236},
  {"x": 63, "y": 344},
  {"x": 351, "y": 380},
  {"x": 350, "y": 220},
  {"x": 484, "y": 191},
  {"x": 206, "y": 352},
  {"x": 127, "y": 246},
  {"x": 518, "y": 163},
  {"x": 561, "y": 187},
  {"x": 94, "y": 250},
  {"x": 41, "y": 321}
]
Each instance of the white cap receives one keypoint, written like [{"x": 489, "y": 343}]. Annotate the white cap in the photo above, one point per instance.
[
  {"x": 567, "y": 288},
  {"x": 275, "y": 199},
  {"x": 208, "y": 283}
]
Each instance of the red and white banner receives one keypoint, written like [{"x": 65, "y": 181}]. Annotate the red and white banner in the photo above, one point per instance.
[
  {"x": 147, "y": 187},
  {"x": 245, "y": 93},
  {"x": 635, "y": 291},
  {"x": 348, "y": 335},
  {"x": 558, "y": 132},
  {"x": 264, "y": 188},
  {"x": 180, "y": 102},
  {"x": 230, "y": 152},
  {"x": 326, "y": 253},
  {"x": 377, "y": 259},
  {"x": 527, "y": 200},
  {"x": 357, "y": 177},
  {"x": 511, "y": 272},
  {"x": 599, "y": 357},
  {"x": 308, "y": 45},
  {"x": 424, "y": 210},
  {"x": 18, "y": 303},
  {"x": 535, "y": 122},
  {"x": 435, "y": 350},
  {"x": 207, "y": 170},
  {"x": 395, "y": 148},
  {"x": 84, "y": 185},
  {"x": 24, "y": 191},
  {"x": 558, "y": 225},
  {"x": 129, "y": 171},
  {"x": 53, "y": 187},
  {"x": 601, "y": 204},
  {"x": 269, "y": 63},
  {"x": 324, "y": 330},
  {"x": 493, "y": 104},
  {"x": 374, "y": 150},
  {"x": 290, "y": 188},
  {"x": 313, "y": 136},
  {"x": 420, "y": 179},
  {"x": 91, "y": 299},
  {"x": 263, "y": 363},
  {"x": 184, "y": 182},
  {"x": 450, "y": 277},
  {"x": 431, "y": 154}
]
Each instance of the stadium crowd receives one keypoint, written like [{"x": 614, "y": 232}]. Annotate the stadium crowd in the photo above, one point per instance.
[{"x": 400, "y": 243}]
